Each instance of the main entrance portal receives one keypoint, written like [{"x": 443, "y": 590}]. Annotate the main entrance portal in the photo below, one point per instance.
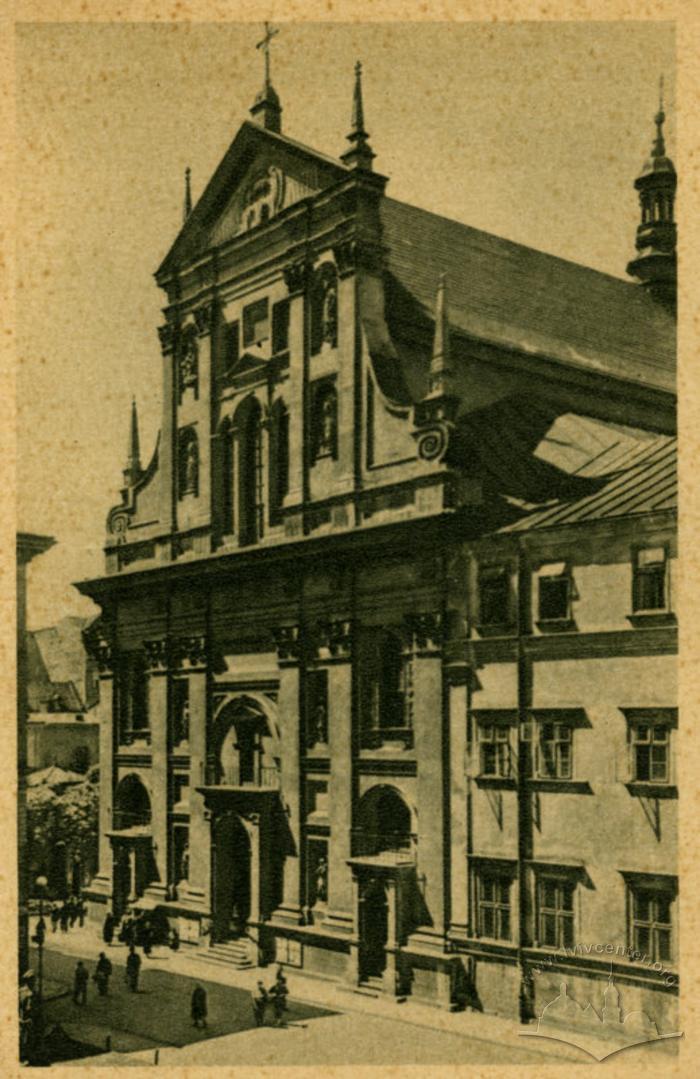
[
  {"x": 374, "y": 930},
  {"x": 230, "y": 877}
]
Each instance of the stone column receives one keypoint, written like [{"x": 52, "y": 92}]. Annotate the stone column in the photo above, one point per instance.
[
  {"x": 457, "y": 679},
  {"x": 430, "y": 753},
  {"x": 109, "y": 723},
  {"x": 338, "y": 646},
  {"x": 389, "y": 980},
  {"x": 157, "y": 661},
  {"x": 191, "y": 656},
  {"x": 288, "y": 653},
  {"x": 295, "y": 276}
]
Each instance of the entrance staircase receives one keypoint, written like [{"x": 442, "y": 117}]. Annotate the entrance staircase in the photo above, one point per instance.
[{"x": 230, "y": 953}]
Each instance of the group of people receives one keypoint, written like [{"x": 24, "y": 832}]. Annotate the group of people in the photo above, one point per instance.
[
  {"x": 135, "y": 929},
  {"x": 102, "y": 974},
  {"x": 275, "y": 996},
  {"x": 67, "y": 912}
]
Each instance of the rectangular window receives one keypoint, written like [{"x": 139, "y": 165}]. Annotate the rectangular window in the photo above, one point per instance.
[
  {"x": 650, "y": 752},
  {"x": 280, "y": 327},
  {"x": 555, "y": 911},
  {"x": 231, "y": 345},
  {"x": 651, "y": 920},
  {"x": 493, "y": 904},
  {"x": 649, "y": 589},
  {"x": 180, "y": 710},
  {"x": 554, "y": 598},
  {"x": 256, "y": 323},
  {"x": 316, "y": 707},
  {"x": 494, "y": 750},
  {"x": 134, "y": 698},
  {"x": 554, "y": 750},
  {"x": 494, "y": 598}
]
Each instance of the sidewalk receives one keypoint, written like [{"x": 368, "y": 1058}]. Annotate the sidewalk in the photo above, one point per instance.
[{"x": 87, "y": 943}]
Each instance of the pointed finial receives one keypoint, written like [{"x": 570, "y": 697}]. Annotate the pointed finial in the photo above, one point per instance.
[
  {"x": 132, "y": 472},
  {"x": 440, "y": 370},
  {"x": 266, "y": 109},
  {"x": 659, "y": 147},
  {"x": 360, "y": 154},
  {"x": 188, "y": 194}
]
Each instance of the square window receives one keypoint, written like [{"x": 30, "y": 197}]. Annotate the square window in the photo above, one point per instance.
[
  {"x": 493, "y": 902},
  {"x": 649, "y": 580},
  {"x": 494, "y": 599},
  {"x": 651, "y": 919},
  {"x": 554, "y": 598},
  {"x": 256, "y": 323},
  {"x": 555, "y": 896},
  {"x": 650, "y": 752}
]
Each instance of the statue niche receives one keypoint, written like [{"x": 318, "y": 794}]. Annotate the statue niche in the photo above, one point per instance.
[
  {"x": 324, "y": 308},
  {"x": 188, "y": 463},
  {"x": 188, "y": 361},
  {"x": 324, "y": 428}
]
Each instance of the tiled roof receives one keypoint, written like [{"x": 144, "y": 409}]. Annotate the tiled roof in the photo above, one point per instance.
[
  {"x": 516, "y": 297},
  {"x": 638, "y": 478}
]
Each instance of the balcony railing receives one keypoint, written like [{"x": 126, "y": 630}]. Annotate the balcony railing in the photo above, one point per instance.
[{"x": 265, "y": 776}]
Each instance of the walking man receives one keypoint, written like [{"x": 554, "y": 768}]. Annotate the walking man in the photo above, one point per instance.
[
  {"x": 80, "y": 983},
  {"x": 279, "y": 993},
  {"x": 260, "y": 1000},
  {"x": 108, "y": 928},
  {"x": 103, "y": 972},
  {"x": 133, "y": 966},
  {"x": 55, "y": 916},
  {"x": 64, "y": 916},
  {"x": 199, "y": 1007}
]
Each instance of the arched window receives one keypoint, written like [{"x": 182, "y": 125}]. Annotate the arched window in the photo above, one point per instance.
[
  {"x": 132, "y": 806},
  {"x": 383, "y": 822},
  {"x": 250, "y": 471},
  {"x": 279, "y": 459},
  {"x": 187, "y": 463}
]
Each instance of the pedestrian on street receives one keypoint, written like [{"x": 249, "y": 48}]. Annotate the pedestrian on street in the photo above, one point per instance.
[
  {"x": 82, "y": 911},
  {"x": 80, "y": 983},
  {"x": 103, "y": 972},
  {"x": 133, "y": 966},
  {"x": 72, "y": 910},
  {"x": 55, "y": 916},
  {"x": 108, "y": 928},
  {"x": 260, "y": 1002},
  {"x": 64, "y": 916},
  {"x": 199, "y": 1007},
  {"x": 279, "y": 993},
  {"x": 174, "y": 940}
]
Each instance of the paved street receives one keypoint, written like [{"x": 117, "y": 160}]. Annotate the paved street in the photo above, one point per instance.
[{"x": 158, "y": 1017}]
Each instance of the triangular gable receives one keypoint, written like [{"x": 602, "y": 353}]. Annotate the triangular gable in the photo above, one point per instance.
[{"x": 260, "y": 168}]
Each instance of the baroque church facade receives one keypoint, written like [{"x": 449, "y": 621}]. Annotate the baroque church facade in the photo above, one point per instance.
[{"x": 387, "y": 643}]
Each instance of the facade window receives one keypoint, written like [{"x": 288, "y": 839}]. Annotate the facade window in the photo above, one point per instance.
[
  {"x": 250, "y": 477},
  {"x": 650, "y": 746},
  {"x": 387, "y": 684},
  {"x": 554, "y": 594},
  {"x": 227, "y": 449},
  {"x": 649, "y": 586},
  {"x": 554, "y": 750},
  {"x": 279, "y": 459},
  {"x": 494, "y": 596},
  {"x": 316, "y": 707},
  {"x": 187, "y": 462},
  {"x": 180, "y": 711},
  {"x": 231, "y": 346},
  {"x": 324, "y": 420},
  {"x": 133, "y": 711},
  {"x": 280, "y": 327},
  {"x": 493, "y": 888},
  {"x": 256, "y": 323},
  {"x": 495, "y": 757},
  {"x": 651, "y": 920},
  {"x": 555, "y": 911}
]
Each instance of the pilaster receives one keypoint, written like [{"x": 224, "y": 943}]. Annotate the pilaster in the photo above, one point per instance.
[
  {"x": 189, "y": 656},
  {"x": 157, "y": 665},
  {"x": 336, "y": 648},
  {"x": 167, "y": 334},
  {"x": 288, "y": 641},
  {"x": 108, "y": 722},
  {"x": 457, "y": 677}
]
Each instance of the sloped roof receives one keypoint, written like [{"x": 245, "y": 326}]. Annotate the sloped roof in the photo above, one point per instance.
[
  {"x": 634, "y": 476},
  {"x": 516, "y": 297}
]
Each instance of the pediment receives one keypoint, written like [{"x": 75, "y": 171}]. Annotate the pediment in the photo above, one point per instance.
[
  {"x": 246, "y": 365},
  {"x": 261, "y": 175}
]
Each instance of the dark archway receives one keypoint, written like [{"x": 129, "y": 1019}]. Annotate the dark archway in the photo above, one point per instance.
[
  {"x": 230, "y": 877},
  {"x": 132, "y": 805},
  {"x": 374, "y": 928},
  {"x": 383, "y": 822}
]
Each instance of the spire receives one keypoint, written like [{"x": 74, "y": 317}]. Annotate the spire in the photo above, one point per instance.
[
  {"x": 188, "y": 194},
  {"x": 267, "y": 110},
  {"x": 132, "y": 472},
  {"x": 360, "y": 154},
  {"x": 655, "y": 264},
  {"x": 440, "y": 370}
]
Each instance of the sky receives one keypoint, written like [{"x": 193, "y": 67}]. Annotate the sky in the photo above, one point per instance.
[{"x": 531, "y": 131}]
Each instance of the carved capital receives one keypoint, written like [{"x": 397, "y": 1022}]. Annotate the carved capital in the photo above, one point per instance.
[
  {"x": 426, "y": 630},
  {"x": 156, "y": 654},
  {"x": 335, "y": 638},
  {"x": 102, "y": 651},
  {"x": 189, "y": 650},
  {"x": 357, "y": 254},
  {"x": 167, "y": 335},
  {"x": 296, "y": 275},
  {"x": 288, "y": 643}
]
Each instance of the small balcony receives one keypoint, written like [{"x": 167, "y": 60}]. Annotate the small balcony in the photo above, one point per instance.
[
  {"x": 392, "y": 846},
  {"x": 258, "y": 777}
]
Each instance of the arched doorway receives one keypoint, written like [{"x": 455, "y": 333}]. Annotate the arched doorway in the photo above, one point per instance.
[
  {"x": 133, "y": 863},
  {"x": 231, "y": 856},
  {"x": 132, "y": 805}
]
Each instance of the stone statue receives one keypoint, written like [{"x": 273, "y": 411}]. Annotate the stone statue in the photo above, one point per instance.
[
  {"x": 321, "y": 723},
  {"x": 191, "y": 466},
  {"x": 188, "y": 361},
  {"x": 321, "y": 880},
  {"x": 329, "y": 315},
  {"x": 327, "y": 423}
]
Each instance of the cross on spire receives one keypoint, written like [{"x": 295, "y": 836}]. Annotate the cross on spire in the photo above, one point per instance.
[{"x": 270, "y": 32}]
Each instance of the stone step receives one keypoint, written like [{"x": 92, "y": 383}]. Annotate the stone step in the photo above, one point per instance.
[{"x": 227, "y": 953}]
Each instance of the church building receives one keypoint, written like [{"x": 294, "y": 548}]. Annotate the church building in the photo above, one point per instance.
[{"x": 387, "y": 641}]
